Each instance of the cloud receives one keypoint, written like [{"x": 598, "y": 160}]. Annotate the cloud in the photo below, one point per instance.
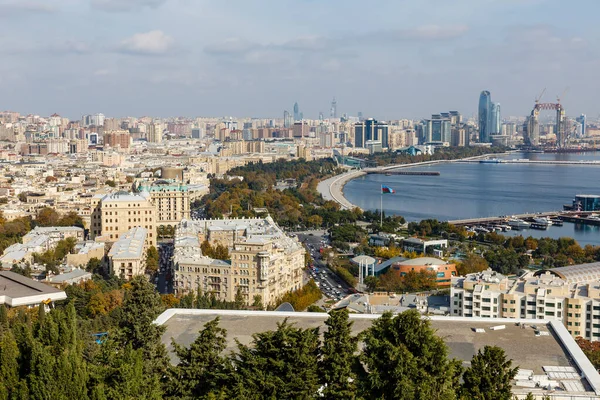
[
  {"x": 12, "y": 8},
  {"x": 149, "y": 43},
  {"x": 126, "y": 5}
]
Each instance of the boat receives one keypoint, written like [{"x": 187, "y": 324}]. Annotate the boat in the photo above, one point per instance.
[
  {"x": 481, "y": 229},
  {"x": 505, "y": 228},
  {"x": 542, "y": 221},
  {"x": 556, "y": 221},
  {"x": 490, "y": 161},
  {"x": 518, "y": 223},
  {"x": 536, "y": 225}
]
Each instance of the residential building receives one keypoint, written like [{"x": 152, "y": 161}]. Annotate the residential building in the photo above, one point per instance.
[
  {"x": 117, "y": 139},
  {"x": 264, "y": 261},
  {"x": 128, "y": 254},
  {"x": 116, "y": 213},
  {"x": 568, "y": 294},
  {"x": 172, "y": 201}
]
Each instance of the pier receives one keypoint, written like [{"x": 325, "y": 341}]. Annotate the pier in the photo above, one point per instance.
[
  {"x": 580, "y": 217},
  {"x": 533, "y": 162}
]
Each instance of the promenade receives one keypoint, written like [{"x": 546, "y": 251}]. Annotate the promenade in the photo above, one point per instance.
[{"x": 333, "y": 188}]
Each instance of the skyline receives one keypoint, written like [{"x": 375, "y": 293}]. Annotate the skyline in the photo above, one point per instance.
[{"x": 183, "y": 57}]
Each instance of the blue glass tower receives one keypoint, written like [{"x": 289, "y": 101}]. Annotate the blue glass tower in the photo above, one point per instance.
[{"x": 485, "y": 116}]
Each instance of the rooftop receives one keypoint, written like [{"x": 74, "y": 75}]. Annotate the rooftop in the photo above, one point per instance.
[
  {"x": 522, "y": 345},
  {"x": 580, "y": 273},
  {"x": 17, "y": 290},
  {"x": 130, "y": 244},
  {"x": 424, "y": 261}
]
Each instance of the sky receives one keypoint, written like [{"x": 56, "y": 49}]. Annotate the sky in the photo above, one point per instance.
[{"x": 389, "y": 59}]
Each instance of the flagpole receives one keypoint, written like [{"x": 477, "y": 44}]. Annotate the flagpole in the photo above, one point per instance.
[{"x": 381, "y": 208}]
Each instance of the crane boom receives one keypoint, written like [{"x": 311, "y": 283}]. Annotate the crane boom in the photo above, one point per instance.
[{"x": 537, "y": 100}]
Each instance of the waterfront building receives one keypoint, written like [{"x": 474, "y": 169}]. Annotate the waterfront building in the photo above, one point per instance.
[
  {"x": 420, "y": 245},
  {"x": 485, "y": 109},
  {"x": 116, "y": 213},
  {"x": 495, "y": 125},
  {"x": 371, "y": 129},
  {"x": 127, "y": 255},
  {"x": 568, "y": 294},
  {"x": 172, "y": 201},
  {"x": 582, "y": 121},
  {"x": 438, "y": 129},
  {"x": 264, "y": 261},
  {"x": 584, "y": 202}
]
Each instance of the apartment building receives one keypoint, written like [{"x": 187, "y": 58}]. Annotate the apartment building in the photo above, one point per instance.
[
  {"x": 264, "y": 260},
  {"x": 116, "y": 213},
  {"x": 128, "y": 254},
  {"x": 172, "y": 201},
  {"x": 569, "y": 294}
]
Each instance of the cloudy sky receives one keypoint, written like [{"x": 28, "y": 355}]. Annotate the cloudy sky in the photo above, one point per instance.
[{"x": 386, "y": 58}]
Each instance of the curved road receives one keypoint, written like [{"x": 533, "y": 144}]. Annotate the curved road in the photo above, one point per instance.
[{"x": 333, "y": 188}]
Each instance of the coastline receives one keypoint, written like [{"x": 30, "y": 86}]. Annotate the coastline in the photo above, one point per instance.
[{"x": 333, "y": 188}]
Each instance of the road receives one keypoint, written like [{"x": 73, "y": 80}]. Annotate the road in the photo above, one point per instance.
[
  {"x": 165, "y": 272},
  {"x": 330, "y": 284}
]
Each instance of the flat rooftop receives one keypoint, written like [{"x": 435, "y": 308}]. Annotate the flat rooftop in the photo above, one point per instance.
[
  {"x": 17, "y": 290},
  {"x": 528, "y": 351}
]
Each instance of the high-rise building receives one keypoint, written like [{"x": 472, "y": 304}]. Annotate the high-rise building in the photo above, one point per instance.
[
  {"x": 582, "y": 120},
  {"x": 197, "y": 133},
  {"x": 495, "y": 126},
  {"x": 333, "y": 111},
  {"x": 297, "y": 112},
  {"x": 119, "y": 139},
  {"x": 438, "y": 129},
  {"x": 485, "y": 110},
  {"x": 371, "y": 130},
  {"x": 155, "y": 132}
]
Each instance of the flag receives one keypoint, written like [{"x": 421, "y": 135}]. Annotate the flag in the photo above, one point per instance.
[{"x": 387, "y": 189}]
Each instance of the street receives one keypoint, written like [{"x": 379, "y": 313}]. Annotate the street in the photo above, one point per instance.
[
  {"x": 164, "y": 282},
  {"x": 331, "y": 285}
]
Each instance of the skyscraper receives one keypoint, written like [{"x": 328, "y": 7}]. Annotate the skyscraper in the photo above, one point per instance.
[
  {"x": 485, "y": 110},
  {"x": 286, "y": 119},
  {"x": 296, "y": 112},
  {"x": 581, "y": 119},
  {"x": 370, "y": 129},
  {"x": 495, "y": 127},
  {"x": 333, "y": 112}
]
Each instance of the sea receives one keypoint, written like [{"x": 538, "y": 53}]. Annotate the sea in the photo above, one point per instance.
[{"x": 471, "y": 190}]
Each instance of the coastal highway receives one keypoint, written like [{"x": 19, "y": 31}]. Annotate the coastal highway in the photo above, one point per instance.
[{"x": 332, "y": 188}]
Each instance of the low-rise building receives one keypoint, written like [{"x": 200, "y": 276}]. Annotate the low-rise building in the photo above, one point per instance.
[
  {"x": 172, "y": 201},
  {"x": 17, "y": 290},
  {"x": 128, "y": 254},
  {"x": 76, "y": 275},
  {"x": 264, "y": 261},
  {"x": 443, "y": 270},
  {"x": 569, "y": 294},
  {"x": 421, "y": 245},
  {"x": 84, "y": 252}
]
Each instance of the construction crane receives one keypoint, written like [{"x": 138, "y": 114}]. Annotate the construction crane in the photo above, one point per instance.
[
  {"x": 537, "y": 100},
  {"x": 562, "y": 96}
]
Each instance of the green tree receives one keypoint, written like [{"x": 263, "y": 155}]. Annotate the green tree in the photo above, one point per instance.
[
  {"x": 257, "y": 302},
  {"x": 338, "y": 358},
  {"x": 280, "y": 364},
  {"x": 152, "y": 260},
  {"x": 141, "y": 306},
  {"x": 471, "y": 264},
  {"x": 95, "y": 266},
  {"x": 201, "y": 369},
  {"x": 372, "y": 282},
  {"x": 406, "y": 360},
  {"x": 22, "y": 197},
  {"x": 9, "y": 365},
  {"x": 47, "y": 217},
  {"x": 489, "y": 376},
  {"x": 110, "y": 183}
]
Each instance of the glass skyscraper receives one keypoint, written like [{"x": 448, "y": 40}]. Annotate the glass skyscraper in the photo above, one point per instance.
[
  {"x": 495, "y": 126},
  {"x": 485, "y": 114}
]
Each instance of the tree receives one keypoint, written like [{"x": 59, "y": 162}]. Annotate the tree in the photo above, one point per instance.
[
  {"x": 489, "y": 376},
  {"x": 471, "y": 264},
  {"x": 257, "y": 302},
  {"x": 110, "y": 183},
  {"x": 47, "y": 217},
  {"x": 591, "y": 350},
  {"x": 406, "y": 360},
  {"x": 141, "y": 306},
  {"x": 372, "y": 282},
  {"x": 22, "y": 197},
  {"x": 94, "y": 266},
  {"x": 152, "y": 260},
  {"x": 201, "y": 369},
  {"x": 391, "y": 281},
  {"x": 338, "y": 358},
  {"x": 280, "y": 364}
]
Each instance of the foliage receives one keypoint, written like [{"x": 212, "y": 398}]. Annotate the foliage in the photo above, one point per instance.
[
  {"x": 338, "y": 360},
  {"x": 413, "y": 281},
  {"x": 445, "y": 153},
  {"x": 152, "y": 260},
  {"x": 471, "y": 264},
  {"x": 50, "y": 217},
  {"x": 110, "y": 183},
  {"x": 218, "y": 252},
  {"x": 371, "y": 282},
  {"x": 489, "y": 376},
  {"x": 281, "y": 364},
  {"x": 52, "y": 258},
  {"x": 591, "y": 350},
  {"x": 303, "y": 297},
  {"x": 404, "y": 359}
]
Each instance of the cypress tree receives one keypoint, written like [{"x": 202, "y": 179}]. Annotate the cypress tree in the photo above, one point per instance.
[
  {"x": 338, "y": 358},
  {"x": 201, "y": 369},
  {"x": 9, "y": 365},
  {"x": 489, "y": 376},
  {"x": 404, "y": 359},
  {"x": 280, "y": 364}
]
